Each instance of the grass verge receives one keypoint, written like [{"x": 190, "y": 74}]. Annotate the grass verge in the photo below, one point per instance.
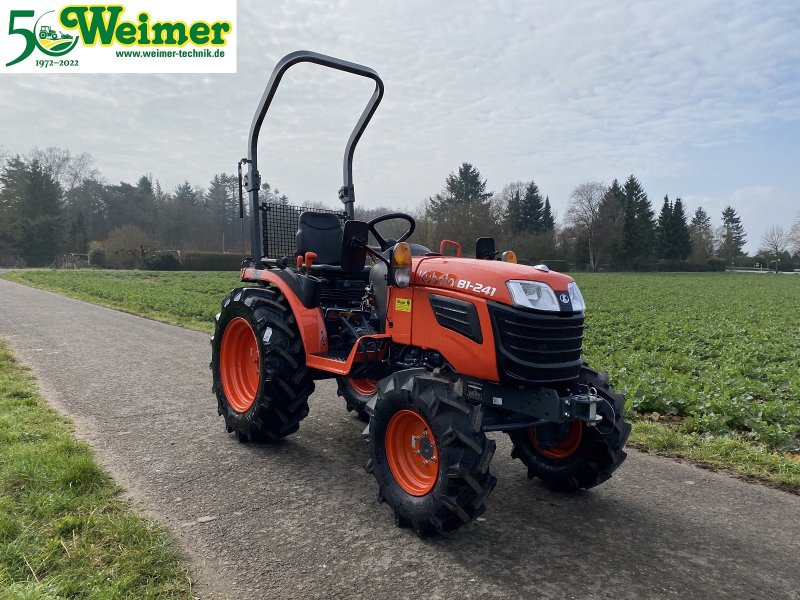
[
  {"x": 187, "y": 299},
  {"x": 192, "y": 299},
  {"x": 65, "y": 532},
  {"x": 733, "y": 454}
]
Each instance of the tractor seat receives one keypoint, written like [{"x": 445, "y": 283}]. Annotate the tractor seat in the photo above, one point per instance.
[{"x": 321, "y": 233}]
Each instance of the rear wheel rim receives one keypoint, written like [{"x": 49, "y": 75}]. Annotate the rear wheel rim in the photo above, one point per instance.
[
  {"x": 363, "y": 387},
  {"x": 240, "y": 367},
  {"x": 565, "y": 448},
  {"x": 412, "y": 453}
]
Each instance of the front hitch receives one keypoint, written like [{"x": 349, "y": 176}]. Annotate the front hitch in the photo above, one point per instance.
[{"x": 541, "y": 404}]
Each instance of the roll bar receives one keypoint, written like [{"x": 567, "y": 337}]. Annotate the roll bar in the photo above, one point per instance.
[{"x": 252, "y": 179}]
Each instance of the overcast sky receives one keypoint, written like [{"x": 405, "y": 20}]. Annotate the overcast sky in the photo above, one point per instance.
[{"x": 698, "y": 99}]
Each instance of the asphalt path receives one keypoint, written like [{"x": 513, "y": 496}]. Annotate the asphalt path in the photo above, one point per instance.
[{"x": 299, "y": 519}]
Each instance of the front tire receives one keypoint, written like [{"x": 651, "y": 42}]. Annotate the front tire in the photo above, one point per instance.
[
  {"x": 258, "y": 364},
  {"x": 578, "y": 456},
  {"x": 429, "y": 454}
]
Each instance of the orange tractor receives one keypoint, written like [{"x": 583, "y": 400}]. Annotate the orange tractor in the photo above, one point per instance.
[{"x": 433, "y": 350}]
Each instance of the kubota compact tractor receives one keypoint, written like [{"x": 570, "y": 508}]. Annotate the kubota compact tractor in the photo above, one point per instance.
[{"x": 434, "y": 351}]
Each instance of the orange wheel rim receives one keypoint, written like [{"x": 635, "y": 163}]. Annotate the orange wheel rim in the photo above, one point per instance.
[
  {"x": 240, "y": 367},
  {"x": 412, "y": 453},
  {"x": 363, "y": 387},
  {"x": 563, "y": 449}
]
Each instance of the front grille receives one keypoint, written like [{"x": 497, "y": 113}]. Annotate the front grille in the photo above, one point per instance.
[{"x": 535, "y": 347}]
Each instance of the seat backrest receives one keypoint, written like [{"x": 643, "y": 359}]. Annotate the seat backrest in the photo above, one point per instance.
[{"x": 321, "y": 233}]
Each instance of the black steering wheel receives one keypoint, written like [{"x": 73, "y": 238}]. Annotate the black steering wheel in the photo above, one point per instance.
[{"x": 383, "y": 243}]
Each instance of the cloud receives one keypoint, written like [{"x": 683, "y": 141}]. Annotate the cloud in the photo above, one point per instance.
[{"x": 559, "y": 93}]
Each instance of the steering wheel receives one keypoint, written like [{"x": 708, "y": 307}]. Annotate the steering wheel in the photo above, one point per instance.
[{"x": 383, "y": 243}]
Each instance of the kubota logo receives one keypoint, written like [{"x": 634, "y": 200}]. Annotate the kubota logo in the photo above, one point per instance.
[{"x": 135, "y": 34}]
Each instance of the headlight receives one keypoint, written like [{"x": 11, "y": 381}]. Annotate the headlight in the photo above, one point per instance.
[
  {"x": 575, "y": 296},
  {"x": 532, "y": 294}
]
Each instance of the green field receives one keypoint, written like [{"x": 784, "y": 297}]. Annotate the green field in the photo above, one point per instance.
[
  {"x": 713, "y": 356},
  {"x": 65, "y": 532}
]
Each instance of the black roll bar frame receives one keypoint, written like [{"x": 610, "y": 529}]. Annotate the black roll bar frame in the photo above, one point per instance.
[{"x": 252, "y": 179}]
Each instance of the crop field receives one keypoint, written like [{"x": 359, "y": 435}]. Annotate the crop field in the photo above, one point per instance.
[{"x": 711, "y": 354}]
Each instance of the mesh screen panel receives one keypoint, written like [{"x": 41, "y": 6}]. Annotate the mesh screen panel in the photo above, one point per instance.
[{"x": 279, "y": 226}]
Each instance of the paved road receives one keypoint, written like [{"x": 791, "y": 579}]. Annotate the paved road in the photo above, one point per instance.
[{"x": 299, "y": 519}]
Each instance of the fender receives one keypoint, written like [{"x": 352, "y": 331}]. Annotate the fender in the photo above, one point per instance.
[{"x": 309, "y": 320}]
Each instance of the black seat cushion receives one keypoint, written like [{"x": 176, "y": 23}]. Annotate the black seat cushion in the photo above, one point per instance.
[{"x": 321, "y": 233}]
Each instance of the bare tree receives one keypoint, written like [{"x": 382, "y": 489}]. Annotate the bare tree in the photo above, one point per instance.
[
  {"x": 774, "y": 242},
  {"x": 583, "y": 213},
  {"x": 126, "y": 247},
  {"x": 70, "y": 171},
  {"x": 794, "y": 235}
]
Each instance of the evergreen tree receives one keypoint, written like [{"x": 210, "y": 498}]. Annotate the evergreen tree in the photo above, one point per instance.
[
  {"x": 31, "y": 206},
  {"x": 702, "y": 236},
  {"x": 638, "y": 225},
  {"x": 273, "y": 196},
  {"x": 222, "y": 198},
  {"x": 610, "y": 215},
  {"x": 462, "y": 211},
  {"x": 548, "y": 220},
  {"x": 681, "y": 239},
  {"x": 513, "y": 216},
  {"x": 732, "y": 235},
  {"x": 186, "y": 196},
  {"x": 664, "y": 231},
  {"x": 532, "y": 208}
]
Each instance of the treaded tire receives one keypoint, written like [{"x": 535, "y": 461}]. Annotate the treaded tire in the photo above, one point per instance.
[
  {"x": 284, "y": 384},
  {"x": 599, "y": 453},
  {"x": 356, "y": 401},
  {"x": 463, "y": 479}
]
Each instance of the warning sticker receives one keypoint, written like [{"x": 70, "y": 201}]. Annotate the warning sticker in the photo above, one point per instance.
[{"x": 402, "y": 304}]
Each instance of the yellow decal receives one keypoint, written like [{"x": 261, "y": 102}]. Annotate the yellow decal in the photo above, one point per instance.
[{"x": 402, "y": 304}]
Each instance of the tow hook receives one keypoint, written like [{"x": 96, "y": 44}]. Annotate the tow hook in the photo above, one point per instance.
[{"x": 582, "y": 405}]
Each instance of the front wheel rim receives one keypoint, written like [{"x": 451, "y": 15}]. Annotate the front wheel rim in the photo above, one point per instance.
[
  {"x": 412, "y": 453},
  {"x": 565, "y": 448},
  {"x": 240, "y": 368}
]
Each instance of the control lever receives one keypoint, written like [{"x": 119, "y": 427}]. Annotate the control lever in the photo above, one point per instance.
[{"x": 310, "y": 257}]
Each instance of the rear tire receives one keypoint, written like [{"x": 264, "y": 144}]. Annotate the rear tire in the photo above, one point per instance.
[
  {"x": 445, "y": 485},
  {"x": 268, "y": 403},
  {"x": 585, "y": 456},
  {"x": 357, "y": 392}
]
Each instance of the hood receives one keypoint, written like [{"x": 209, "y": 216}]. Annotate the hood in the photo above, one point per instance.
[{"x": 482, "y": 278}]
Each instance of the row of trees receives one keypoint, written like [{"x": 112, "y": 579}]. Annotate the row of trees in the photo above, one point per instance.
[
  {"x": 53, "y": 202},
  {"x": 616, "y": 225},
  {"x": 611, "y": 227}
]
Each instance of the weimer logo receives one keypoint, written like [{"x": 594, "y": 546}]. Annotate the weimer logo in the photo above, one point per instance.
[
  {"x": 118, "y": 38},
  {"x": 42, "y": 36}
]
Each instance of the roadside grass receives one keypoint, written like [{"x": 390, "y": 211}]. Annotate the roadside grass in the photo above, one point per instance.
[
  {"x": 729, "y": 453},
  {"x": 708, "y": 362},
  {"x": 187, "y": 299},
  {"x": 65, "y": 531}
]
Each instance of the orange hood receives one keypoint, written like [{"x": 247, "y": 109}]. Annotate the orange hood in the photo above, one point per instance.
[{"x": 482, "y": 278}]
